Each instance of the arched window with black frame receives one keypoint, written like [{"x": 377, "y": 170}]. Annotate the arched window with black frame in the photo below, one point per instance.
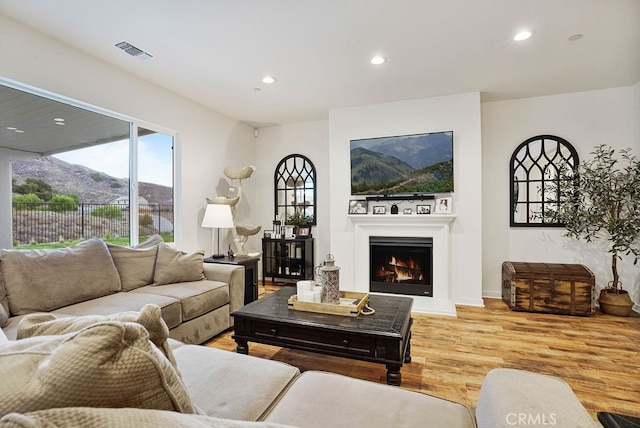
[
  {"x": 295, "y": 190},
  {"x": 537, "y": 167}
]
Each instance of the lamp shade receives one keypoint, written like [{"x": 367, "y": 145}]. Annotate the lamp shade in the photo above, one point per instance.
[{"x": 217, "y": 215}]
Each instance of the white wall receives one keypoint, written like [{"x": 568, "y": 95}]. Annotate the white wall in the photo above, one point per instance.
[
  {"x": 584, "y": 119},
  {"x": 210, "y": 141},
  {"x": 310, "y": 139},
  {"x": 457, "y": 113}
]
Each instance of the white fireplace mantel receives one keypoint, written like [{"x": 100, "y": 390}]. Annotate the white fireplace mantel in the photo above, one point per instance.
[{"x": 435, "y": 226}]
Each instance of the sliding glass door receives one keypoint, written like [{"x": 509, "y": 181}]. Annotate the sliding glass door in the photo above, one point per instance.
[{"x": 86, "y": 174}]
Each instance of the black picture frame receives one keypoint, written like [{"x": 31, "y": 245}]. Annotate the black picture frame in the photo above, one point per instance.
[
  {"x": 423, "y": 209},
  {"x": 379, "y": 209},
  {"x": 304, "y": 232},
  {"x": 358, "y": 206}
]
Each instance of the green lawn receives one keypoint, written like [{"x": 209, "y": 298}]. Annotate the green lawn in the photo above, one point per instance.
[{"x": 123, "y": 240}]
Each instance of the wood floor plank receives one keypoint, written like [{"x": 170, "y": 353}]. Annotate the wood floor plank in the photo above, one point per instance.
[{"x": 598, "y": 356}]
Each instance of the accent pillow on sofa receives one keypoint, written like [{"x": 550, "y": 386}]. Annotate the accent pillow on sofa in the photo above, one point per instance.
[
  {"x": 44, "y": 280},
  {"x": 135, "y": 265},
  {"x": 109, "y": 364},
  {"x": 46, "y": 324},
  {"x": 177, "y": 266}
]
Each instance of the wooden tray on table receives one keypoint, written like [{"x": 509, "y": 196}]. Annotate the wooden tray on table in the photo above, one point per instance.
[{"x": 351, "y": 304}]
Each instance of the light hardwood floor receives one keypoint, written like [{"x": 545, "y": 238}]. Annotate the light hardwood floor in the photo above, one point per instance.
[{"x": 598, "y": 356}]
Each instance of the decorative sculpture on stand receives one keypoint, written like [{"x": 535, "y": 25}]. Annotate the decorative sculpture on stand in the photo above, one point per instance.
[{"x": 241, "y": 233}]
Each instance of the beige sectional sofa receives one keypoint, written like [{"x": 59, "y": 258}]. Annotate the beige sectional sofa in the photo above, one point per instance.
[
  {"x": 121, "y": 370},
  {"x": 102, "y": 353},
  {"x": 95, "y": 278}
]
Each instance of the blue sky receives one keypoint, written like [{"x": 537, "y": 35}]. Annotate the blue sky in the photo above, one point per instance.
[{"x": 154, "y": 156}]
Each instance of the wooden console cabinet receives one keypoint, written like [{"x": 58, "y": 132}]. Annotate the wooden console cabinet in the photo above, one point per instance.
[{"x": 287, "y": 259}]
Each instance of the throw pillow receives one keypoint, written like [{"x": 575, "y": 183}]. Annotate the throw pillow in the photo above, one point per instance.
[
  {"x": 177, "y": 266},
  {"x": 44, "y": 280},
  {"x": 136, "y": 264},
  {"x": 109, "y": 364},
  {"x": 46, "y": 324}
]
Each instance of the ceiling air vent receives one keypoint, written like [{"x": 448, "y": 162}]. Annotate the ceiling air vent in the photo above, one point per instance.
[{"x": 134, "y": 51}]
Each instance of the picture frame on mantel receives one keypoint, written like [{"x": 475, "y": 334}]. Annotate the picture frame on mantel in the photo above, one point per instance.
[
  {"x": 443, "y": 205},
  {"x": 358, "y": 206},
  {"x": 423, "y": 209},
  {"x": 379, "y": 209}
]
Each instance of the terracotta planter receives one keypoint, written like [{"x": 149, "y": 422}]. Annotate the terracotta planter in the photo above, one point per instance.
[{"x": 619, "y": 304}]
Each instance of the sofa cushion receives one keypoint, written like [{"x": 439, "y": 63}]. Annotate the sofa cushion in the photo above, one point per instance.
[
  {"x": 101, "y": 417},
  {"x": 48, "y": 324},
  {"x": 229, "y": 385},
  {"x": 511, "y": 397},
  {"x": 196, "y": 297},
  {"x": 177, "y": 266},
  {"x": 108, "y": 364},
  {"x": 136, "y": 265},
  {"x": 170, "y": 308},
  {"x": 318, "y": 399},
  {"x": 43, "y": 280}
]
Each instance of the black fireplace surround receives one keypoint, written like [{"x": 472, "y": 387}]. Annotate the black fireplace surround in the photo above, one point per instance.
[{"x": 401, "y": 265}]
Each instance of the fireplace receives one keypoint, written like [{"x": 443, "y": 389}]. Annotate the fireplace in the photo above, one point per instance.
[{"x": 401, "y": 265}]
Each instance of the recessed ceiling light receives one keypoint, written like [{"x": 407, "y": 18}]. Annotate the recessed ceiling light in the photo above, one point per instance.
[
  {"x": 522, "y": 35},
  {"x": 575, "y": 37},
  {"x": 11, "y": 128},
  {"x": 268, "y": 79},
  {"x": 19, "y": 131},
  {"x": 377, "y": 60}
]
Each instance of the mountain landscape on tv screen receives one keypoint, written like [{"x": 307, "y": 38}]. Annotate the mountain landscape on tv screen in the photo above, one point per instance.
[{"x": 402, "y": 165}]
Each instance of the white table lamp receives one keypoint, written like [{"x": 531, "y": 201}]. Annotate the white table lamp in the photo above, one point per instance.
[{"x": 218, "y": 216}]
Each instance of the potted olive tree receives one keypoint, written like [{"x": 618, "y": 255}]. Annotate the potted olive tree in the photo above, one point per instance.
[{"x": 602, "y": 201}]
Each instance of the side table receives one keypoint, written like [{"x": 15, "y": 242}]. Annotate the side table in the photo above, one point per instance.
[{"x": 250, "y": 273}]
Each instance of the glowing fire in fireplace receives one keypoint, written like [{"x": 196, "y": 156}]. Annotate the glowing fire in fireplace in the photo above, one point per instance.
[{"x": 397, "y": 270}]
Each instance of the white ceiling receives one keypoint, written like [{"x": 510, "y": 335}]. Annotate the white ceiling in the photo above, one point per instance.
[
  {"x": 30, "y": 123},
  {"x": 217, "y": 51}
]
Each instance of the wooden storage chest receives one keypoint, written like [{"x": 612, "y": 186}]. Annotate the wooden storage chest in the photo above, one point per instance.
[{"x": 554, "y": 288}]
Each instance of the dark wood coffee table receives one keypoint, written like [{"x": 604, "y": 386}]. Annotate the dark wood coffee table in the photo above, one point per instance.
[{"x": 383, "y": 337}]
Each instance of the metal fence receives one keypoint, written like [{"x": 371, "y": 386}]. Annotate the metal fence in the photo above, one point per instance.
[{"x": 41, "y": 222}]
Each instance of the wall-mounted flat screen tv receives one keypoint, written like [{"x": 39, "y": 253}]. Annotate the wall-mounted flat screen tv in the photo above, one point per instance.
[{"x": 406, "y": 164}]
